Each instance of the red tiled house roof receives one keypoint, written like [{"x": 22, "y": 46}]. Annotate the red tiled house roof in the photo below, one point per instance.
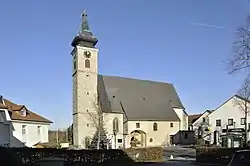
[{"x": 15, "y": 112}]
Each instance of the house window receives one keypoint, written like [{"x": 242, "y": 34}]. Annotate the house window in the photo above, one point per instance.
[
  {"x": 23, "y": 112},
  {"x": 171, "y": 124},
  {"x": 87, "y": 125},
  {"x": 38, "y": 130},
  {"x": 186, "y": 136},
  {"x": 137, "y": 125},
  {"x": 116, "y": 125},
  {"x": 87, "y": 93},
  {"x": 151, "y": 140},
  {"x": 230, "y": 122},
  {"x": 242, "y": 121},
  {"x": 74, "y": 65},
  {"x": 23, "y": 129},
  {"x": 119, "y": 140},
  {"x": 155, "y": 127},
  {"x": 203, "y": 120},
  {"x": 87, "y": 63},
  {"x": 218, "y": 122}
]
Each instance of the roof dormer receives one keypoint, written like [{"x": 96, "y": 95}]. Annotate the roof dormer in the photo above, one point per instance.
[{"x": 23, "y": 111}]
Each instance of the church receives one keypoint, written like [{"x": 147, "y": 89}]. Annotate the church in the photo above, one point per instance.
[{"x": 131, "y": 112}]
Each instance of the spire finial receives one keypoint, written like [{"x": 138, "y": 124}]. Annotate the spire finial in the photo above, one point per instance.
[
  {"x": 85, "y": 37},
  {"x": 85, "y": 24}
]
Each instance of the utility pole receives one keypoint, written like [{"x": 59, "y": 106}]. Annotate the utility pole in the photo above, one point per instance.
[
  {"x": 66, "y": 133},
  {"x": 57, "y": 141},
  {"x": 245, "y": 111}
]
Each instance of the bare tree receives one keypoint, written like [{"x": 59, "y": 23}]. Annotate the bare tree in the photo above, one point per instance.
[
  {"x": 240, "y": 59},
  {"x": 98, "y": 121},
  {"x": 242, "y": 101}
]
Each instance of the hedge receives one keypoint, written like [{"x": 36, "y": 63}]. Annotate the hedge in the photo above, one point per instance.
[
  {"x": 30, "y": 156},
  {"x": 145, "y": 154},
  {"x": 215, "y": 155}
]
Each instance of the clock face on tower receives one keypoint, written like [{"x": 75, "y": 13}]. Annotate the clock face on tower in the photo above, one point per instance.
[{"x": 87, "y": 54}]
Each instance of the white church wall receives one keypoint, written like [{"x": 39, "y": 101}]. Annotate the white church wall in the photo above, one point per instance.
[
  {"x": 116, "y": 141},
  {"x": 154, "y": 138},
  {"x": 183, "y": 117}
]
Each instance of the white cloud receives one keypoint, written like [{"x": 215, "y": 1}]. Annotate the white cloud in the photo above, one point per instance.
[{"x": 207, "y": 25}]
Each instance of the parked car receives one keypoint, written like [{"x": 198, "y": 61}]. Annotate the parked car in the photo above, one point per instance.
[{"x": 240, "y": 158}]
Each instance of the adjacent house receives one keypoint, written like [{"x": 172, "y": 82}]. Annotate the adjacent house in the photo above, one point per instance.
[
  {"x": 225, "y": 125},
  {"x": 227, "y": 122},
  {"x": 135, "y": 112},
  {"x": 19, "y": 126},
  {"x": 199, "y": 124},
  {"x": 191, "y": 120}
]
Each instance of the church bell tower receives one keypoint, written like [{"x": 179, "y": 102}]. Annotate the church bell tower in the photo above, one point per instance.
[{"x": 84, "y": 74}]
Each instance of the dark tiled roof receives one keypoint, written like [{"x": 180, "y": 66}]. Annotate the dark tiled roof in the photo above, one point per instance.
[
  {"x": 242, "y": 98},
  {"x": 15, "y": 114},
  {"x": 138, "y": 99}
]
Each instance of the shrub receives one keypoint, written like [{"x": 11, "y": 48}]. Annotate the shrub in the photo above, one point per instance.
[
  {"x": 217, "y": 155},
  {"x": 145, "y": 154},
  {"x": 8, "y": 157}
]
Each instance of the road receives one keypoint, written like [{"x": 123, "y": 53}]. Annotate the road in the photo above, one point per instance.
[
  {"x": 182, "y": 156},
  {"x": 179, "y": 152},
  {"x": 176, "y": 163}
]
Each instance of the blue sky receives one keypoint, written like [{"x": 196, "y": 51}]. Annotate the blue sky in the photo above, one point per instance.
[{"x": 184, "y": 42}]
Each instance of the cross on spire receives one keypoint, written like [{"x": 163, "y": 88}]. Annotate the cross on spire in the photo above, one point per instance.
[
  {"x": 85, "y": 24},
  {"x": 85, "y": 37}
]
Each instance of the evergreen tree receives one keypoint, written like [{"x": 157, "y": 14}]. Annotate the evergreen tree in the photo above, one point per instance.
[
  {"x": 101, "y": 133},
  {"x": 70, "y": 134}
]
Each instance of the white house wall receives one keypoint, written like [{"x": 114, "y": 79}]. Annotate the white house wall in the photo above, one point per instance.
[
  {"x": 199, "y": 121},
  {"x": 227, "y": 111},
  {"x": 32, "y": 137}
]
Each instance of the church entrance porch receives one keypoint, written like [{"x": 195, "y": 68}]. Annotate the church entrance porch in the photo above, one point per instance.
[{"x": 137, "y": 138}]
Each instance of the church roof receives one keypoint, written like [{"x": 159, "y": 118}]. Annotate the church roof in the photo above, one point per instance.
[{"x": 138, "y": 99}]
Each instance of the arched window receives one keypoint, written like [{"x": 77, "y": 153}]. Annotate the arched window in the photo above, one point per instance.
[
  {"x": 155, "y": 127},
  {"x": 116, "y": 125},
  {"x": 87, "y": 63}
]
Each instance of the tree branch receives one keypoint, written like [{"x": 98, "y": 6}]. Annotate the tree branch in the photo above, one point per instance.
[{"x": 240, "y": 59}]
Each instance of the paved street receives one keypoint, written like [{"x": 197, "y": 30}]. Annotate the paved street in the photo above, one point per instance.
[
  {"x": 183, "y": 156},
  {"x": 177, "y": 163},
  {"x": 179, "y": 152}
]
